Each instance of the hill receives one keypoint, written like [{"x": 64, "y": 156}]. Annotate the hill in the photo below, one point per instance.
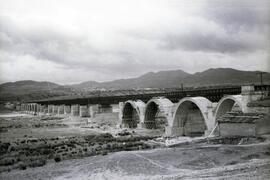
[{"x": 26, "y": 90}]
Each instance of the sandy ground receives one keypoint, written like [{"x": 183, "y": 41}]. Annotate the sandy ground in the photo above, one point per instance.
[
  {"x": 92, "y": 155},
  {"x": 204, "y": 162}
]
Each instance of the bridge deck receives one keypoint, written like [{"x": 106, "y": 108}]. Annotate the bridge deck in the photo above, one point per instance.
[{"x": 213, "y": 94}]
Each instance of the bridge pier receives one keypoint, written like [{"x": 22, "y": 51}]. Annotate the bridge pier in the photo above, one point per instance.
[
  {"x": 30, "y": 108},
  {"x": 18, "y": 108},
  {"x": 67, "y": 109},
  {"x": 39, "y": 109},
  {"x": 60, "y": 109},
  {"x": 45, "y": 110},
  {"x": 94, "y": 109},
  {"x": 22, "y": 108},
  {"x": 55, "y": 109},
  {"x": 50, "y": 109},
  {"x": 33, "y": 108},
  {"x": 84, "y": 111},
  {"x": 75, "y": 110},
  {"x": 26, "y": 108}
]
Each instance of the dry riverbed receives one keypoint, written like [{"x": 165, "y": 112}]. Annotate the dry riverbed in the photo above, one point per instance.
[
  {"x": 61, "y": 147},
  {"x": 32, "y": 141}
]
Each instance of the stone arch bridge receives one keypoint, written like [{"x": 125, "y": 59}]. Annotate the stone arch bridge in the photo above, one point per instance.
[{"x": 192, "y": 115}]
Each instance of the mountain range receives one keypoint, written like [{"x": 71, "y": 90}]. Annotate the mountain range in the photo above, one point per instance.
[
  {"x": 25, "y": 90},
  {"x": 170, "y": 79}
]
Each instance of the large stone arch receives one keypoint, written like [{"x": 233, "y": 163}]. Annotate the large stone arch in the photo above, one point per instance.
[
  {"x": 133, "y": 113},
  {"x": 227, "y": 103},
  {"x": 157, "y": 113},
  {"x": 193, "y": 116}
]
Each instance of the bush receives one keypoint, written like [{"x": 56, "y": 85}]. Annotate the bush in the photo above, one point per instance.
[
  {"x": 103, "y": 153},
  {"x": 7, "y": 161},
  {"x": 38, "y": 163},
  {"x": 22, "y": 167},
  {"x": 57, "y": 159}
]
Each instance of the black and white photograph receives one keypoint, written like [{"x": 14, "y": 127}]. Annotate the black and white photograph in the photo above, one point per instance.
[{"x": 134, "y": 89}]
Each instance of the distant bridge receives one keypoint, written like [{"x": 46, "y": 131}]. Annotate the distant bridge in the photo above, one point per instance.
[{"x": 214, "y": 94}]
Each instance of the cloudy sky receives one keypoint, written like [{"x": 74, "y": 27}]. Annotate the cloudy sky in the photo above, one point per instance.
[{"x": 70, "y": 41}]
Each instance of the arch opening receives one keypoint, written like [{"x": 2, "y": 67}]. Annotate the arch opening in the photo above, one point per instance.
[
  {"x": 189, "y": 117},
  {"x": 226, "y": 106},
  {"x": 154, "y": 118},
  {"x": 130, "y": 116}
]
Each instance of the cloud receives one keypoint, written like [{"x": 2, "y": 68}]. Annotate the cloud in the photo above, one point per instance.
[
  {"x": 248, "y": 14},
  {"x": 222, "y": 27},
  {"x": 216, "y": 41},
  {"x": 71, "y": 41}
]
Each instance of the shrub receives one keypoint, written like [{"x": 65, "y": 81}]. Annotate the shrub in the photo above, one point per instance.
[{"x": 57, "y": 159}]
